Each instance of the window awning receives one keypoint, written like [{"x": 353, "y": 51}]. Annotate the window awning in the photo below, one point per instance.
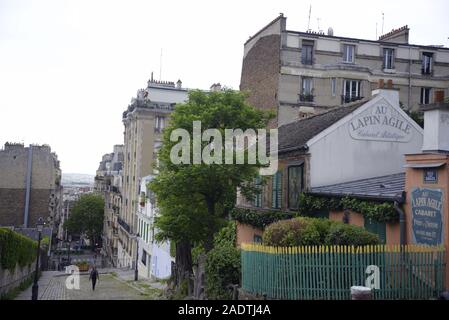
[{"x": 424, "y": 165}]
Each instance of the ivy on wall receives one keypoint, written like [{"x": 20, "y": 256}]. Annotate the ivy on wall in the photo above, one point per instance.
[
  {"x": 310, "y": 205},
  {"x": 377, "y": 211},
  {"x": 16, "y": 249},
  {"x": 259, "y": 219}
]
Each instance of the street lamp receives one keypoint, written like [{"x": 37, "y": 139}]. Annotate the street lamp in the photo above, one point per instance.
[
  {"x": 35, "y": 289},
  {"x": 136, "y": 271},
  {"x": 70, "y": 245}
]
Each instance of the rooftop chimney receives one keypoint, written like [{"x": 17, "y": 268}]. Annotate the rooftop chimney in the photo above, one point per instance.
[{"x": 436, "y": 125}]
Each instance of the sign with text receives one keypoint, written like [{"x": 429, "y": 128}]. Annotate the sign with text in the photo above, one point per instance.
[
  {"x": 430, "y": 176},
  {"x": 382, "y": 122},
  {"x": 427, "y": 216}
]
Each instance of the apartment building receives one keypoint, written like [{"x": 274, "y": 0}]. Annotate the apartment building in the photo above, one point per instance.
[
  {"x": 297, "y": 74},
  {"x": 144, "y": 120},
  {"x": 108, "y": 182}
]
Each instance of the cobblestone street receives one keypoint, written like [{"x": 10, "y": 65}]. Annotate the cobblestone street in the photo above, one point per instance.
[{"x": 110, "y": 286}]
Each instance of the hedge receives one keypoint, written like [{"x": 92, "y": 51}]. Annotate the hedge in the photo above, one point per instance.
[
  {"x": 304, "y": 231},
  {"x": 16, "y": 249}
]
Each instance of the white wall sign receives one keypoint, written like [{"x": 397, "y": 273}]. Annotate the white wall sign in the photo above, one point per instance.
[{"x": 381, "y": 122}]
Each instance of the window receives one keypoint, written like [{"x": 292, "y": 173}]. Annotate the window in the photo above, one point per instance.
[
  {"x": 160, "y": 123},
  {"x": 351, "y": 91},
  {"x": 348, "y": 53},
  {"x": 334, "y": 87},
  {"x": 379, "y": 228},
  {"x": 427, "y": 59},
  {"x": 257, "y": 239},
  {"x": 306, "y": 53},
  {"x": 144, "y": 257},
  {"x": 258, "y": 198},
  {"x": 425, "y": 95},
  {"x": 307, "y": 90},
  {"x": 388, "y": 58},
  {"x": 295, "y": 185},
  {"x": 276, "y": 198}
]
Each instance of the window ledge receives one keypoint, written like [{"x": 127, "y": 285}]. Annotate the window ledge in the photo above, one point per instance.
[{"x": 389, "y": 70}]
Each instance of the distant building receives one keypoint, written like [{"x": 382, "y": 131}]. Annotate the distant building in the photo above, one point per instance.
[
  {"x": 30, "y": 186},
  {"x": 298, "y": 74},
  {"x": 108, "y": 182}
]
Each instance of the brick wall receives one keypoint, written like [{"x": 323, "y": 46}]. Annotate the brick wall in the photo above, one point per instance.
[
  {"x": 12, "y": 206},
  {"x": 260, "y": 74}
]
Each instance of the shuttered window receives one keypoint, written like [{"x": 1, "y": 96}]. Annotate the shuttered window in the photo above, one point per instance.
[
  {"x": 277, "y": 190},
  {"x": 258, "y": 198}
]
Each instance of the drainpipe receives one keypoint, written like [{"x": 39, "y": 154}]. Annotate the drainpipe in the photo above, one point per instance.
[
  {"x": 401, "y": 222},
  {"x": 28, "y": 187},
  {"x": 409, "y": 77}
]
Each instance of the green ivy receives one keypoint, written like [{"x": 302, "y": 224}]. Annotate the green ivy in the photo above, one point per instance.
[
  {"x": 16, "y": 249},
  {"x": 258, "y": 219},
  {"x": 377, "y": 211}
]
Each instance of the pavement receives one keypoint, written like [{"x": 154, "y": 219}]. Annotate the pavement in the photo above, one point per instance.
[{"x": 113, "y": 284}]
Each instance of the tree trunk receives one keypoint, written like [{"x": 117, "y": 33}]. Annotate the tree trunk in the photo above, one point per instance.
[
  {"x": 183, "y": 263},
  {"x": 209, "y": 243}
]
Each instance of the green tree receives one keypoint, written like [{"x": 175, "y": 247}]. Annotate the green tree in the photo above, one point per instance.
[
  {"x": 86, "y": 217},
  {"x": 195, "y": 198}
]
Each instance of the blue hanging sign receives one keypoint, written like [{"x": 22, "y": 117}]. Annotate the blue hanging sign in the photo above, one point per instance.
[{"x": 427, "y": 216}]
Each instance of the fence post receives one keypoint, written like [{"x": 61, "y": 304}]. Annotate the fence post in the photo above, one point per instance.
[{"x": 361, "y": 293}]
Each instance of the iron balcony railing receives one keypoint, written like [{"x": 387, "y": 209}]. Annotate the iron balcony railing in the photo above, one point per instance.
[
  {"x": 124, "y": 224},
  {"x": 306, "y": 97},
  {"x": 348, "y": 99}
]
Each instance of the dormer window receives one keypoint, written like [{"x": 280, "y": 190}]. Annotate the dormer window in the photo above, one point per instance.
[
  {"x": 427, "y": 60},
  {"x": 348, "y": 53},
  {"x": 388, "y": 58}
]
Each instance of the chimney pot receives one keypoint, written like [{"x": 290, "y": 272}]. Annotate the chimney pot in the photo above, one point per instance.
[
  {"x": 381, "y": 83},
  {"x": 390, "y": 84},
  {"x": 439, "y": 96}
]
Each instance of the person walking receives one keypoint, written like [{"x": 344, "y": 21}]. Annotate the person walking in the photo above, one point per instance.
[{"x": 94, "y": 276}]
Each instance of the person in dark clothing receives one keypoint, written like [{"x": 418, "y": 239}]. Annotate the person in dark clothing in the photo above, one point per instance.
[{"x": 94, "y": 277}]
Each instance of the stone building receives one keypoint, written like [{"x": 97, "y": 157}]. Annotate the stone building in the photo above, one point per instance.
[
  {"x": 30, "y": 186},
  {"x": 297, "y": 74},
  {"x": 144, "y": 120},
  {"x": 108, "y": 182}
]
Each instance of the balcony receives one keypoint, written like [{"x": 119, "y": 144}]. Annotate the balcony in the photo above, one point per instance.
[
  {"x": 349, "y": 99},
  {"x": 305, "y": 97},
  {"x": 124, "y": 225}
]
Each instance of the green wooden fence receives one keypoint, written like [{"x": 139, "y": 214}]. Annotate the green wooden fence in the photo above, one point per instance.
[{"x": 328, "y": 272}]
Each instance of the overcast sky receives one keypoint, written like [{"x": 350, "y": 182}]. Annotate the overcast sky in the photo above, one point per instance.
[{"x": 68, "y": 69}]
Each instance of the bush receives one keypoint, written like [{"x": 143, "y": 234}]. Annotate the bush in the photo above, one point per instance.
[
  {"x": 304, "y": 231},
  {"x": 345, "y": 234},
  {"x": 223, "y": 264}
]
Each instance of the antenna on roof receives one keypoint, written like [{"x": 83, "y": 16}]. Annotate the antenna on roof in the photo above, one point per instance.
[
  {"x": 310, "y": 12},
  {"x": 160, "y": 67},
  {"x": 383, "y": 20},
  {"x": 318, "y": 19},
  {"x": 376, "y": 31}
]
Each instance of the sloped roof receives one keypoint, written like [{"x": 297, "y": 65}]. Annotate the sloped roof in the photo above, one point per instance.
[
  {"x": 390, "y": 187},
  {"x": 297, "y": 133}
]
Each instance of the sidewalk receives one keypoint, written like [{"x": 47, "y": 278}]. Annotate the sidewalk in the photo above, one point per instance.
[{"x": 49, "y": 288}]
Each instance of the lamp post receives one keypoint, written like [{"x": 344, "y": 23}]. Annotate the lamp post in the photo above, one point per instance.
[
  {"x": 35, "y": 289},
  {"x": 70, "y": 245},
  {"x": 136, "y": 271}
]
